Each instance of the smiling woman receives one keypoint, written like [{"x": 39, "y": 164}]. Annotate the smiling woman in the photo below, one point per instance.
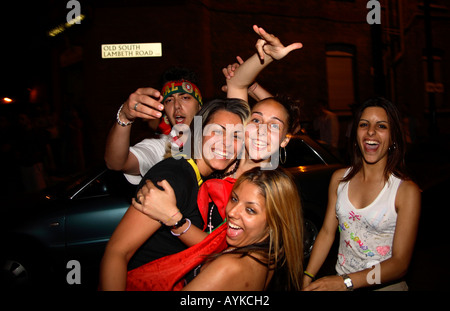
[
  {"x": 264, "y": 225},
  {"x": 271, "y": 123},
  {"x": 374, "y": 204},
  {"x": 246, "y": 210},
  {"x": 257, "y": 248},
  {"x": 373, "y": 134}
]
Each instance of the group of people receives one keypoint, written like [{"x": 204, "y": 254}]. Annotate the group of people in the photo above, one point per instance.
[{"x": 212, "y": 212}]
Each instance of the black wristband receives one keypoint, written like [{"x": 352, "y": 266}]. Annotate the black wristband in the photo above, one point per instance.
[{"x": 181, "y": 222}]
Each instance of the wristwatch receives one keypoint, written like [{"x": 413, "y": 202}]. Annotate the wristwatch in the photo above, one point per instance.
[
  {"x": 348, "y": 282},
  {"x": 181, "y": 222}
]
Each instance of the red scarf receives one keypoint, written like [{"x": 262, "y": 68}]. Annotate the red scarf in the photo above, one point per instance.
[
  {"x": 167, "y": 273},
  {"x": 217, "y": 191}
]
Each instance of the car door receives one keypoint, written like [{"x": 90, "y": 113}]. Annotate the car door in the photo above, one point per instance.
[{"x": 95, "y": 211}]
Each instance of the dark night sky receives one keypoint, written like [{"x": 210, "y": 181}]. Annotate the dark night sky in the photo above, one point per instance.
[{"x": 24, "y": 44}]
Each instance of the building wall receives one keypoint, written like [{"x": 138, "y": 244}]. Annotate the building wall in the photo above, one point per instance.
[
  {"x": 407, "y": 65},
  {"x": 207, "y": 35}
]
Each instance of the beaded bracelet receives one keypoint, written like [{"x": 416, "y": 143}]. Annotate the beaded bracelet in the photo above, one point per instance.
[
  {"x": 121, "y": 123},
  {"x": 178, "y": 234}
]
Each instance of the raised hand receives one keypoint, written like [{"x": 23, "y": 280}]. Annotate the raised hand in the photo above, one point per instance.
[
  {"x": 272, "y": 46},
  {"x": 144, "y": 103}
]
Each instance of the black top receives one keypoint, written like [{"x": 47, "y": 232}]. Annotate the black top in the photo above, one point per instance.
[{"x": 182, "y": 177}]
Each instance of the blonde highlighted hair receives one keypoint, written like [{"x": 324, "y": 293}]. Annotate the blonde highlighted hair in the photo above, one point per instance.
[{"x": 283, "y": 251}]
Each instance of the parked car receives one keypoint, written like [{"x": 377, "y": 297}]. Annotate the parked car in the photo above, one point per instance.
[{"x": 74, "y": 220}]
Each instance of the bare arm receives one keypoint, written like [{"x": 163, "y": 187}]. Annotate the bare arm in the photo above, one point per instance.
[
  {"x": 148, "y": 106},
  {"x": 256, "y": 91},
  {"x": 269, "y": 48},
  {"x": 133, "y": 230},
  {"x": 327, "y": 233},
  {"x": 237, "y": 87}
]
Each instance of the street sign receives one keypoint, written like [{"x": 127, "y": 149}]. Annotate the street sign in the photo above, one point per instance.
[{"x": 131, "y": 50}]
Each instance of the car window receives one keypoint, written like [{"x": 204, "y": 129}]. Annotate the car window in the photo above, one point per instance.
[
  {"x": 95, "y": 188},
  {"x": 107, "y": 183},
  {"x": 298, "y": 153}
]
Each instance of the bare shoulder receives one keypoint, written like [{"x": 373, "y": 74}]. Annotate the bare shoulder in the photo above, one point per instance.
[
  {"x": 409, "y": 184},
  {"x": 408, "y": 188},
  {"x": 339, "y": 174},
  {"x": 337, "y": 177},
  {"x": 408, "y": 196},
  {"x": 230, "y": 272},
  {"x": 231, "y": 264}
]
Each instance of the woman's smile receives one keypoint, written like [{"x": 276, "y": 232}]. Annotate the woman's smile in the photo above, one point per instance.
[
  {"x": 233, "y": 230},
  {"x": 373, "y": 134},
  {"x": 246, "y": 216}
]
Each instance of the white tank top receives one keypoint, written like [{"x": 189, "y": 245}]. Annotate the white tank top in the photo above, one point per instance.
[{"x": 366, "y": 234}]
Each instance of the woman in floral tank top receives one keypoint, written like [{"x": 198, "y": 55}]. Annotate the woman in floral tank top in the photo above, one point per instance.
[{"x": 374, "y": 206}]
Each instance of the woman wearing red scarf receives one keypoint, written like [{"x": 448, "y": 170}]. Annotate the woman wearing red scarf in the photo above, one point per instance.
[{"x": 255, "y": 249}]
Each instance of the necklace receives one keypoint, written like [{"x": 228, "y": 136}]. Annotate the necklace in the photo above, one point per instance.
[
  {"x": 210, "y": 225},
  {"x": 236, "y": 166},
  {"x": 218, "y": 175},
  {"x": 228, "y": 250}
]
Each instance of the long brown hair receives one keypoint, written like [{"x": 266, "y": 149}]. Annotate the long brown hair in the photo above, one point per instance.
[{"x": 396, "y": 154}]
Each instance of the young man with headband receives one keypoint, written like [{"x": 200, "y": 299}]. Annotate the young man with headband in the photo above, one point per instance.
[{"x": 180, "y": 99}]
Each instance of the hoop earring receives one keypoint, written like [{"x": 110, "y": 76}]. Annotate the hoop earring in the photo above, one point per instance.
[{"x": 283, "y": 158}]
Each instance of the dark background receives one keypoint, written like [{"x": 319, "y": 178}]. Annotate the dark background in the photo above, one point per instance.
[
  {"x": 72, "y": 95},
  {"x": 65, "y": 77}
]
